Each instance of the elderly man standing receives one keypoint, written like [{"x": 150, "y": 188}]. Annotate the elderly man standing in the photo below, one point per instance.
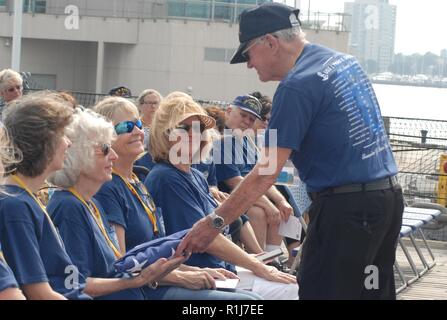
[{"x": 328, "y": 121}]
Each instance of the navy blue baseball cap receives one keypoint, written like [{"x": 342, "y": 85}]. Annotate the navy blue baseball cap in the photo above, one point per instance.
[
  {"x": 258, "y": 21},
  {"x": 250, "y": 104}
]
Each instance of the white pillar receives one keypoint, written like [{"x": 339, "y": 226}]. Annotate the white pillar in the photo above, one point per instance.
[
  {"x": 17, "y": 35},
  {"x": 99, "y": 67}
]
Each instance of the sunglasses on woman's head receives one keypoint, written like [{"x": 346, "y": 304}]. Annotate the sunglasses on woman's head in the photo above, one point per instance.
[{"x": 127, "y": 126}]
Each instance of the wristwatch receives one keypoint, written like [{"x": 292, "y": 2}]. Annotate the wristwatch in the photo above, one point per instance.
[{"x": 217, "y": 222}]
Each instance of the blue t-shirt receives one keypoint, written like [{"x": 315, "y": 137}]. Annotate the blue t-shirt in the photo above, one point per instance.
[
  {"x": 208, "y": 169},
  {"x": 84, "y": 241},
  {"x": 185, "y": 199},
  {"x": 325, "y": 110},
  {"x": 31, "y": 247},
  {"x": 7, "y": 279},
  {"x": 233, "y": 157},
  {"x": 124, "y": 208}
]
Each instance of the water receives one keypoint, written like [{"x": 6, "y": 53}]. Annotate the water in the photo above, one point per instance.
[{"x": 412, "y": 102}]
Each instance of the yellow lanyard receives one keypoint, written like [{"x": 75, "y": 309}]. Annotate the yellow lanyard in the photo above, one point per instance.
[
  {"x": 23, "y": 186},
  {"x": 97, "y": 217},
  {"x": 150, "y": 211}
]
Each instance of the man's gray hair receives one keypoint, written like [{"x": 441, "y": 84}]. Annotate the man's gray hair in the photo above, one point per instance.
[
  {"x": 289, "y": 34},
  {"x": 87, "y": 131}
]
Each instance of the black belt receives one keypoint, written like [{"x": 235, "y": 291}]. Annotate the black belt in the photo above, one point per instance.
[{"x": 381, "y": 184}]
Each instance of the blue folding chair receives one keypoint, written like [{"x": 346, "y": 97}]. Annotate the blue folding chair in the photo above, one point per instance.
[{"x": 413, "y": 220}]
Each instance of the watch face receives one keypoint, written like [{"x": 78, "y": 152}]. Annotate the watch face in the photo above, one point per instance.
[{"x": 218, "y": 222}]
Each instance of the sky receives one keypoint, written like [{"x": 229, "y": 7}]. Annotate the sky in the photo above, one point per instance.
[{"x": 419, "y": 23}]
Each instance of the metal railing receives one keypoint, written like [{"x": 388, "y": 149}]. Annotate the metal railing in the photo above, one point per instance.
[{"x": 208, "y": 10}]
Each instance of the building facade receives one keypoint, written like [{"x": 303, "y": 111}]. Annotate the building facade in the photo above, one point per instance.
[
  {"x": 373, "y": 25},
  {"x": 94, "y": 45}
]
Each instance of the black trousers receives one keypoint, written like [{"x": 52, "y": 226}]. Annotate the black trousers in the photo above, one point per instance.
[{"x": 347, "y": 234}]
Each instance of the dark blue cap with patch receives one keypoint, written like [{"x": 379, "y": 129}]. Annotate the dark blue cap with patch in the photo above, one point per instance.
[
  {"x": 250, "y": 104},
  {"x": 263, "y": 19}
]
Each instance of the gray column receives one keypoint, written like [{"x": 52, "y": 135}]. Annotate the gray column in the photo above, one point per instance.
[
  {"x": 99, "y": 67},
  {"x": 17, "y": 35}
]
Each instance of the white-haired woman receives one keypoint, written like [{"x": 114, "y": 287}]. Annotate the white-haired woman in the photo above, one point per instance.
[
  {"x": 131, "y": 211},
  {"x": 179, "y": 138},
  {"x": 11, "y": 85},
  {"x": 88, "y": 238}
]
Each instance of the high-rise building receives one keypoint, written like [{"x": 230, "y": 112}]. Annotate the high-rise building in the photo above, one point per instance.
[{"x": 373, "y": 28}]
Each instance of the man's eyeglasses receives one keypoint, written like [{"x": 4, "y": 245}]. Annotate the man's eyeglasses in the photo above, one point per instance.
[
  {"x": 127, "y": 126},
  {"x": 245, "y": 53}
]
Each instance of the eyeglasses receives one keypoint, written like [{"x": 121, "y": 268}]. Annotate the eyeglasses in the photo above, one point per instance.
[
  {"x": 187, "y": 127},
  {"x": 105, "y": 149},
  {"x": 151, "y": 103},
  {"x": 13, "y": 88},
  {"x": 127, "y": 126},
  {"x": 245, "y": 53}
]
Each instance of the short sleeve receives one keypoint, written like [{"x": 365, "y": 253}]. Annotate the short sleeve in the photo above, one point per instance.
[{"x": 20, "y": 244}]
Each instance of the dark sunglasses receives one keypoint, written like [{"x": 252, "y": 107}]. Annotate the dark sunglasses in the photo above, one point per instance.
[
  {"x": 187, "y": 127},
  {"x": 127, "y": 126},
  {"x": 105, "y": 148}
]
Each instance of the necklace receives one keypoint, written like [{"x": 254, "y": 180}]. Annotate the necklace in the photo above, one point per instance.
[
  {"x": 42, "y": 207},
  {"x": 93, "y": 209},
  {"x": 148, "y": 207}
]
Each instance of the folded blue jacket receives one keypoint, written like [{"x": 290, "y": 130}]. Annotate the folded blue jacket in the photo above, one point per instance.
[{"x": 147, "y": 253}]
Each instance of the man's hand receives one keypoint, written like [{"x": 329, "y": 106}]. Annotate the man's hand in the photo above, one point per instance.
[
  {"x": 285, "y": 210},
  {"x": 198, "y": 239}
]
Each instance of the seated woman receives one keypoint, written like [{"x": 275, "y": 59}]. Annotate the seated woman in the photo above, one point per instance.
[
  {"x": 131, "y": 211},
  {"x": 8, "y": 284},
  {"x": 88, "y": 238},
  {"x": 30, "y": 242},
  {"x": 178, "y": 137}
]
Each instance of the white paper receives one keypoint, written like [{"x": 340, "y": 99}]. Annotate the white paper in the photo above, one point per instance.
[
  {"x": 291, "y": 228},
  {"x": 227, "y": 283}
]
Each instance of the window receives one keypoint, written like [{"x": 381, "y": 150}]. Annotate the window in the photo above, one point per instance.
[
  {"x": 218, "y": 54},
  {"x": 34, "y": 6}
]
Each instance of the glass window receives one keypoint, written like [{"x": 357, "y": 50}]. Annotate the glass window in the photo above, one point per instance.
[
  {"x": 218, "y": 54},
  {"x": 34, "y": 6}
]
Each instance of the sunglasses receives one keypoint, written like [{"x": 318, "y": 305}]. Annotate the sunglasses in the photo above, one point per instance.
[
  {"x": 127, "y": 126},
  {"x": 187, "y": 127},
  {"x": 245, "y": 53},
  {"x": 105, "y": 148}
]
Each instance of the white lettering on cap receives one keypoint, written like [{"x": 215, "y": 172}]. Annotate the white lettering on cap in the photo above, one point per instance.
[{"x": 293, "y": 20}]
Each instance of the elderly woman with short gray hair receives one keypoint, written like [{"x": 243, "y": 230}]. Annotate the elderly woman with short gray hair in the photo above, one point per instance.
[
  {"x": 89, "y": 239},
  {"x": 11, "y": 85}
]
